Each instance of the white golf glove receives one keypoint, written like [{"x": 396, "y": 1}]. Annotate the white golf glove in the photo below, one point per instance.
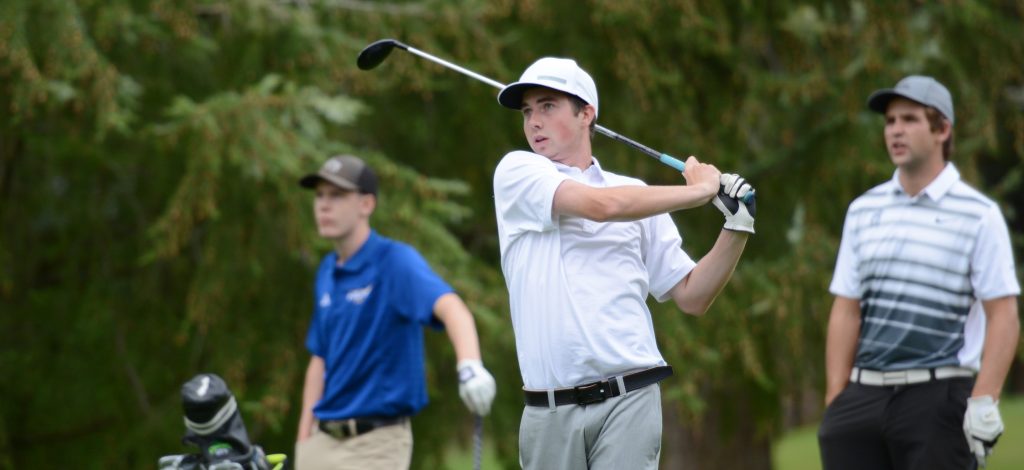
[
  {"x": 982, "y": 426},
  {"x": 476, "y": 386},
  {"x": 739, "y": 215}
]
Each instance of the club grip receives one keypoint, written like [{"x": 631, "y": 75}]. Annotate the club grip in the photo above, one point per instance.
[
  {"x": 679, "y": 165},
  {"x": 672, "y": 162}
]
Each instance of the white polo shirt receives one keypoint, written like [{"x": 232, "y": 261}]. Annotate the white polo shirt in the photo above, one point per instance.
[
  {"x": 920, "y": 267},
  {"x": 578, "y": 288}
]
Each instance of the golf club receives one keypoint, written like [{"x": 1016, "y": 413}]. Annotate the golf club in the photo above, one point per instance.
[
  {"x": 478, "y": 441},
  {"x": 372, "y": 56}
]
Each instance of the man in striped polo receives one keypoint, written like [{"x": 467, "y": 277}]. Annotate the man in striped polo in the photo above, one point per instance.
[{"x": 924, "y": 325}]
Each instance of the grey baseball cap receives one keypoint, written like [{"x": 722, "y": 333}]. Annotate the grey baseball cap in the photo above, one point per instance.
[
  {"x": 925, "y": 90},
  {"x": 346, "y": 172}
]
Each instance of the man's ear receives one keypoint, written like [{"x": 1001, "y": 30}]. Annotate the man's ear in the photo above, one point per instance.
[
  {"x": 367, "y": 204},
  {"x": 589, "y": 113},
  {"x": 946, "y": 131}
]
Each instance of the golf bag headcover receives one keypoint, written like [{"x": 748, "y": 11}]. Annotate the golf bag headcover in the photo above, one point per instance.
[{"x": 213, "y": 424}]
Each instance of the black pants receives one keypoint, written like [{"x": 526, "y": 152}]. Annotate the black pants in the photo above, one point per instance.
[{"x": 903, "y": 427}]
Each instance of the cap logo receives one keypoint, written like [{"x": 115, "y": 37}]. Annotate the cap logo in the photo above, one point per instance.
[
  {"x": 549, "y": 77},
  {"x": 332, "y": 166}
]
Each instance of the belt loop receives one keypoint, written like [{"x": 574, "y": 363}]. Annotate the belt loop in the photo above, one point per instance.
[
  {"x": 351, "y": 424},
  {"x": 622, "y": 384},
  {"x": 551, "y": 399},
  {"x": 931, "y": 373}
]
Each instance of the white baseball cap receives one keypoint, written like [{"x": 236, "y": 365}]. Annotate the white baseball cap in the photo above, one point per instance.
[{"x": 555, "y": 73}]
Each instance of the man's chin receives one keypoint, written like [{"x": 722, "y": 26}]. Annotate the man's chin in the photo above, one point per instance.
[{"x": 545, "y": 153}]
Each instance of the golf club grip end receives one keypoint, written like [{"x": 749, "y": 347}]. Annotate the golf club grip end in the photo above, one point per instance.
[{"x": 672, "y": 162}]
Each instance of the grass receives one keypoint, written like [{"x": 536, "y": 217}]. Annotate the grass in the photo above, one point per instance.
[
  {"x": 798, "y": 450},
  {"x": 462, "y": 459}
]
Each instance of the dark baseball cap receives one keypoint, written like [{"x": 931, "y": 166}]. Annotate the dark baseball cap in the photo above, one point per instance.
[
  {"x": 346, "y": 172},
  {"x": 924, "y": 90}
]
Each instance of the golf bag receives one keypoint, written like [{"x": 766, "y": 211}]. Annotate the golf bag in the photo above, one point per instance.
[{"x": 213, "y": 424}]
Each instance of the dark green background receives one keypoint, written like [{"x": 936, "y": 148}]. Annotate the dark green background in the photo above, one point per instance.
[{"x": 152, "y": 228}]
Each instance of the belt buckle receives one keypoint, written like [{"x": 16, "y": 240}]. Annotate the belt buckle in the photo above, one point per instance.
[
  {"x": 894, "y": 377},
  {"x": 341, "y": 429},
  {"x": 591, "y": 393}
]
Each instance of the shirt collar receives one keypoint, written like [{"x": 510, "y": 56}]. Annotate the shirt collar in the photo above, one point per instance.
[
  {"x": 362, "y": 256},
  {"x": 938, "y": 187},
  {"x": 593, "y": 173}
]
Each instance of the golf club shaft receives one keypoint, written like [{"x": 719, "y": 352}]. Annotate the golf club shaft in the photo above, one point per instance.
[
  {"x": 445, "y": 63},
  {"x": 478, "y": 441},
  {"x": 660, "y": 156}
]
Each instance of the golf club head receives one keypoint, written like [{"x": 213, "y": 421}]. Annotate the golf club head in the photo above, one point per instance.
[{"x": 372, "y": 55}]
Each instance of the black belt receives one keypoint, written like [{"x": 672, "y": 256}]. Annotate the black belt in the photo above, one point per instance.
[
  {"x": 596, "y": 392},
  {"x": 342, "y": 428}
]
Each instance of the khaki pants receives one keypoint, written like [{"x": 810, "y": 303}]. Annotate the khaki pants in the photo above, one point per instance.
[{"x": 385, "y": 448}]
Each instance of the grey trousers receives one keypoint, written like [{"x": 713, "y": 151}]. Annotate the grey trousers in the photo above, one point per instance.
[{"x": 620, "y": 432}]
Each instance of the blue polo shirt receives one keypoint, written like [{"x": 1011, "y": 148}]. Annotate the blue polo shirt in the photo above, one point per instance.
[{"x": 368, "y": 327}]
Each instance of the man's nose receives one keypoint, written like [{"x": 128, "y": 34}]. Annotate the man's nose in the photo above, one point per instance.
[{"x": 533, "y": 122}]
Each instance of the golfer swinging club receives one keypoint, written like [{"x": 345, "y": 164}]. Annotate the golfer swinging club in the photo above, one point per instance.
[{"x": 581, "y": 249}]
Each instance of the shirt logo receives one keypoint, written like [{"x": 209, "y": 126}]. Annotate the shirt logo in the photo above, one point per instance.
[
  {"x": 358, "y": 296},
  {"x": 325, "y": 301}
]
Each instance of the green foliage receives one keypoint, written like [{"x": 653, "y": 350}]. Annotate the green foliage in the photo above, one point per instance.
[
  {"x": 150, "y": 162},
  {"x": 153, "y": 229}
]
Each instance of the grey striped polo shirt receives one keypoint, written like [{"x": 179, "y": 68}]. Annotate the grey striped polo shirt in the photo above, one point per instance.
[{"x": 919, "y": 265}]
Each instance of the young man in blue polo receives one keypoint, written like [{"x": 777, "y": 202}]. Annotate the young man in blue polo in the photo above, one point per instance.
[
  {"x": 925, "y": 324},
  {"x": 373, "y": 297}
]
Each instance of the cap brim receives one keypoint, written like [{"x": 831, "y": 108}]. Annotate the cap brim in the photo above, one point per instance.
[
  {"x": 512, "y": 95},
  {"x": 879, "y": 100},
  {"x": 310, "y": 181}
]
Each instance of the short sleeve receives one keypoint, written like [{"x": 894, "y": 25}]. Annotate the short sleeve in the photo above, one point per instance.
[
  {"x": 322, "y": 287},
  {"x": 845, "y": 279},
  {"x": 524, "y": 192},
  {"x": 313, "y": 339},
  {"x": 416, "y": 286},
  {"x": 992, "y": 270},
  {"x": 666, "y": 262}
]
